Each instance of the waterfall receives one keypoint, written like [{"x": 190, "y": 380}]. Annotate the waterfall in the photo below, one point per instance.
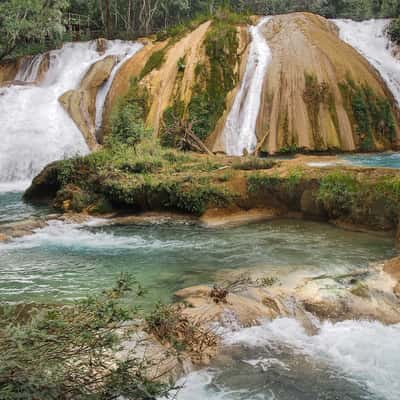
[
  {"x": 103, "y": 91},
  {"x": 29, "y": 69},
  {"x": 34, "y": 128},
  {"x": 240, "y": 129},
  {"x": 370, "y": 40}
]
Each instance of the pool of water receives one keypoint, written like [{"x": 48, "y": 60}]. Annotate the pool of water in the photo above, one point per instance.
[
  {"x": 385, "y": 160},
  {"x": 66, "y": 261},
  {"x": 352, "y": 360}
]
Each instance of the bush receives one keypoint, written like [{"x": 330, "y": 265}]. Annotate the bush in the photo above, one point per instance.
[
  {"x": 154, "y": 62},
  {"x": 253, "y": 163},
  {"x": 337, "y": 191},
  {"x": 394, "y": 31},
  {"x": 68, "y": 352}
]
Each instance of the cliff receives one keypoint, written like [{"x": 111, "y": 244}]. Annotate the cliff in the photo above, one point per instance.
[{"x": 319, "y": 93}]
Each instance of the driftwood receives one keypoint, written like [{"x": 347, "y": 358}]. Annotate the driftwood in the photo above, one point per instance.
[{"x": 182, "y": 131}]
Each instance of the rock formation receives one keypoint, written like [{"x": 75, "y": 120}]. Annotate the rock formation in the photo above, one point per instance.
[
  {"x": 81, "y": 103},
  {"x": 312, "y": 88}
]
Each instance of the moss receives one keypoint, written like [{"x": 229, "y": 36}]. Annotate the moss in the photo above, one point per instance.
[
  {"x": 258, "y": 182},
  {"x": 253, "y": 163},
  {"x": 315, "y": 94},
  {"x": 215, "y": 81},
  {"x": 337, "y": 191},
  {"x": 154, "y": 62},
  {"x": 371, "y": 115}
]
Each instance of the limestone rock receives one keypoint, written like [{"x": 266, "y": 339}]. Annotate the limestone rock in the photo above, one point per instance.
[
  {"x": 81, "y": 103},
  {"x": 314, "y": 115}
]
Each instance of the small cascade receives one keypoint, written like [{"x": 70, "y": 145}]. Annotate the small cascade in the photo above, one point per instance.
[
  {"x": 370, "y": 40},
  {"x": 34, "y": 127},
  {"x": 29, "y": 68},
  {"x": 103, "y": 91},
  {"x": 240, "y": 129}
]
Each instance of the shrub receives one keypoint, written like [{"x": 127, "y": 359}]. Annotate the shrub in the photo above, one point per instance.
[
  {"x": 253, "y": 163},
  {"x": 154, "y": 62},
  {"x": 68, "y": 352},
  {"x": 337, "y": 191},
  {"x": 260, "y": 182}
]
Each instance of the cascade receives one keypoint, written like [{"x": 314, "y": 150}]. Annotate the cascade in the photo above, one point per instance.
[
  {"x": 29, "y": 69},
  {"x": 34, "y": 128},
  {"x": 240, "y": 129},
  {"x": 370, "y": 40}
]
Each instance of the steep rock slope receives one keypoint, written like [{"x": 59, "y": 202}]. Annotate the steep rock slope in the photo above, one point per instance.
[
  {"x": 81, "y": 103},
  {"x": 192, "y": 77},
  {"x": 319, "y": 93}
]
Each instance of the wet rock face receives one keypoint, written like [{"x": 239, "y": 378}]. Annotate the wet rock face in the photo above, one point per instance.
[
  {"x": 305, "y": 101},
  {"x": 81, "y": 103},
  {"x": 8, "y": 70}
]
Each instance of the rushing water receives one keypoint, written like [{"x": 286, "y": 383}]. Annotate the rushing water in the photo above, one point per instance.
[
  {"x": 369, "y": 38},
  {"x": 240, "y": 128},
  {"x": 64, "y": 261},
  {"x": 34, "y": 128},
  {"x": 278, "y": 360}
]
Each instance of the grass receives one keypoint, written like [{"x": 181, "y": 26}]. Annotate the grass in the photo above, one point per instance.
[
  {"x": 253, "y": 163},
  {"x": 154, "y": 62}
]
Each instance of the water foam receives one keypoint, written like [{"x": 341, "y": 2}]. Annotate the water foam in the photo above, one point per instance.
[
  {"x": 370, "y": 40},
  {"x": 240, "y": 129},
  {"x": 364, "y": 350},
  {"x": 86, "y": 236},
  {"x": 35, "y": 129}
]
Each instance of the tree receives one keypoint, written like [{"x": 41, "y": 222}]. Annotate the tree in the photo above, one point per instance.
[{"x": 24, "y": 21}]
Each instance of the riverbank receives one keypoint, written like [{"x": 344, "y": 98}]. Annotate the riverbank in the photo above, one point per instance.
[{"x": 223, "y": 189}]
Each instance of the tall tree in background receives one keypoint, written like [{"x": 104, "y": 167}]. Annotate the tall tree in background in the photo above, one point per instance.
[{"x": 24, "y": 21}]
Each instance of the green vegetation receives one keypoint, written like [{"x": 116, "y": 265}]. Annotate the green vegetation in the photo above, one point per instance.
[
  {"x": 315, "y": 94},
  {"x": 253, "y": 163},
  {"x": 259, "y": 182},
  {"x": 24, "y": 23},
  {"x": 68, "y": 352},
  {"x": 371, "y": 115},
  {"x": 154, "y": 62},
  {"x": 214, "y": 82},
  {"x": 394, "y": 31}
]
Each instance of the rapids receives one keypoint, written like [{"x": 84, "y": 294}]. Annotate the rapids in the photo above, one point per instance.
[{"x": 34, "y": 128}]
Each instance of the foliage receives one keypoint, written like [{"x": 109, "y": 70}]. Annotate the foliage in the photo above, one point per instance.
[
  {"x": 127, "y": 119},
  {"x": 154, "y": 62},
  {"x": 216, "y": 80},
  {"x": 253, "y": 163},
  {"x": 338, "y": 190},
  {"x": 315, "y": 94},
  {"x": 257, "y": 182},
  {"x": 169, "y": 324},
  {"x": 29, "y": 21},
  {"x": 394, "y": 31},
  {"x": 68, "y": 352},
  {"x": 371, "y": 115}
]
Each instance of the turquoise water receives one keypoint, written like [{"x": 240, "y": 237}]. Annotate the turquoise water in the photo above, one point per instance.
[
  {"x": 386, "y": 160},
  {"x": 276, "y": 360},
  {"x": 66, "y": 261}
]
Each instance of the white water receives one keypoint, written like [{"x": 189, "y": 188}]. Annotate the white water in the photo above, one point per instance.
[
  {"x": 34, "y": 128},
  {"x": 240, "y": 128},
  {"x": 362, "y": 352},
  {"x": 29, "y": 69},
  {"x": 131, "y": 49},
  {"x": 369, "y": 38}
]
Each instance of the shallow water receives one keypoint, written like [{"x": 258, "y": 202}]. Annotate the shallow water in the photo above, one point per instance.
[
  {"x": 65, "y": 261},
  {"x": 384, "y": 160}
]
